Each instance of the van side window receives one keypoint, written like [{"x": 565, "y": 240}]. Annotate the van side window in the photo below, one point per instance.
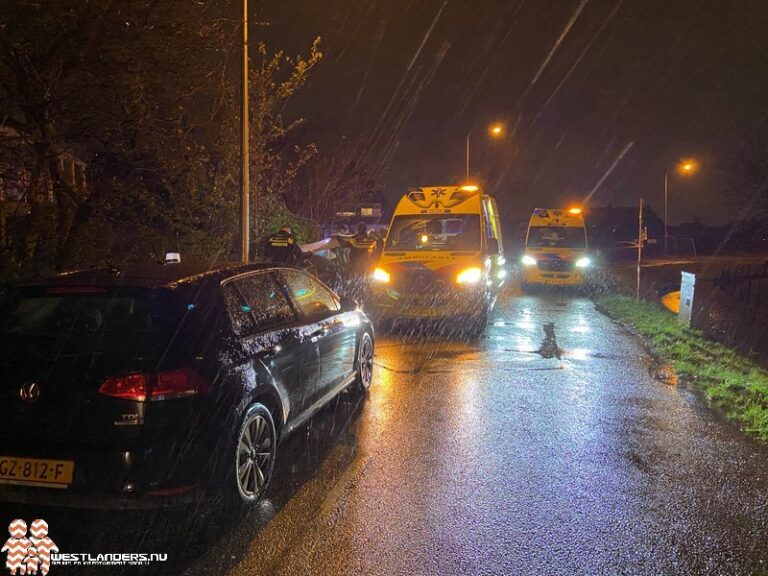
[
  {"x": 492, "y": 226},
  {"x": 313, "y": 299}
]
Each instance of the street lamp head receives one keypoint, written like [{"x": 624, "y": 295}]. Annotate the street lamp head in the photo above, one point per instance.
[
  {"x": 688, "y": 167},
  {"x": 496, "y": 130}
]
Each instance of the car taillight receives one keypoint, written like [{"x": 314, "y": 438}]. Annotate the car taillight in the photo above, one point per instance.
[
  {"x": 143, "y": 386},
  {"x": 128, "y": 387},
  {"x": 177, "y": 383}
]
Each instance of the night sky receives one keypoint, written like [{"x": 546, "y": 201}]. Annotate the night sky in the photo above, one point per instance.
[{"x": 598, "y": 96}]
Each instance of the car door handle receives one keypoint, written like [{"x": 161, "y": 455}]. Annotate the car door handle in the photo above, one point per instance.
[
  {"x": 272, "y": 350},
  {"x": 317, "y": 334}
]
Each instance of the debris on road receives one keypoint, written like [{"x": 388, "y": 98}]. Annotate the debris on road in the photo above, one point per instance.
[{"x": 666, "y": 374}]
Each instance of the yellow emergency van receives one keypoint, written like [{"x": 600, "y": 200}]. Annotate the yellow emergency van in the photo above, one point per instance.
[
  {"x": 443, "y": 257},
  {"x": 555, "y": 248}
]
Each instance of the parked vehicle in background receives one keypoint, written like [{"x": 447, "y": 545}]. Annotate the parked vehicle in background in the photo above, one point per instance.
[
  {"x": 146, "y": 385},
  {"x": 555, "y": 248},
  {"x": 443, "y": 257}
]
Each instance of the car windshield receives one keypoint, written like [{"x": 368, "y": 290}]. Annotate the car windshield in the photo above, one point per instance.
[
  {"x": 556, "y": 237},
  {"x": 435, "y": 232},
  {"x": 91, "y": 321}
]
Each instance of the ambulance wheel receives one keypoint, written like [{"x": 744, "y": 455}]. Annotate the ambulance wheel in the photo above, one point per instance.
[{"x": 478, "y": 324}]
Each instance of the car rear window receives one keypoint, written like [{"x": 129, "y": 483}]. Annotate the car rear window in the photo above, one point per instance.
[{"x": 92, "y": 319}]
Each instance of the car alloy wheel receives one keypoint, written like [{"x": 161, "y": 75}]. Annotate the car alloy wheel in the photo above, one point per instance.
[
  {"x": 255, "y": 457},
  {"x": 365, "y": 362}
]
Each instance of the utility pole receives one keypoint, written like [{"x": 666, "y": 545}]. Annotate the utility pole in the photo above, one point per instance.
[
  {"x": 245, "y": 210},
  {"x": 639, "y": 248}
]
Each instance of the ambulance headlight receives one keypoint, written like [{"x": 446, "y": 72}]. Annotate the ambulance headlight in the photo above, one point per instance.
[
  {"x": 529, "y": 260},
  {"x": 583, "y": 262},
  {"x": 469, "y": 276},
  {"x": 380, "y": 275}
]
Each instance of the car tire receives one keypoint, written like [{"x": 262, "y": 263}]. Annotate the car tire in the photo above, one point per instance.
[
  {"x": 364, "y": 375},
  {"x": 252, "y": 458}
]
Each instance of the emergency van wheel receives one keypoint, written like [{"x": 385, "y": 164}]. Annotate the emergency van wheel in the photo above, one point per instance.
[{"x": 478, "y": 324}]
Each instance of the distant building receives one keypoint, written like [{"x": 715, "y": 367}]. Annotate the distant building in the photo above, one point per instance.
[
  {"x": 612, "y": 229},
  {"x": 16, "y": 180},
  {"x": 740, "y": 236},
  {"x": 371, "y": 213}
]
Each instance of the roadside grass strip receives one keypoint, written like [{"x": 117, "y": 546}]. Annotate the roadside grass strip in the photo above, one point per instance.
[{"x": 732, "y": 382}]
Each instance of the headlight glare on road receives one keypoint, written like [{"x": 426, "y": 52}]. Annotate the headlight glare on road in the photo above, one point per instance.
[
  {"x": 583, "y": 262},
  {"x": 469, "y": 276},
  {"x": 381, "y": 275},
  {"x": 529, "y": 260}
]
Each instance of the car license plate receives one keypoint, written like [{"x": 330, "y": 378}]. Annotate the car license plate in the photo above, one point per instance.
[
  {"x": 424, "y": 312},
  {"x": 35, "y": 472}
]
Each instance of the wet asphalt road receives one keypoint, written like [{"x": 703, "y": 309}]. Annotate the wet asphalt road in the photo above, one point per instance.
[{"x": 485, "y": 458}]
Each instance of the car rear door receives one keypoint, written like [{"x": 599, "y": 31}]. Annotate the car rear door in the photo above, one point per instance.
[
  {"x": 270, "y": 331},
  {"x": 333, "y": 332}
]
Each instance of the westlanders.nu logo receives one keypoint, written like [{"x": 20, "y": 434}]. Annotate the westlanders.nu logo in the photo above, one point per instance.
[
  {"x": 34, "y": 553},
  {"x": 28, "y": 554}
]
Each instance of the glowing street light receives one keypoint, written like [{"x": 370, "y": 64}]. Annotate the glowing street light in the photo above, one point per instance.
[
  {"x": 494, "y": 131},
  {"x": 688, "y": 167},
  {"x": 685, "y": 168}
]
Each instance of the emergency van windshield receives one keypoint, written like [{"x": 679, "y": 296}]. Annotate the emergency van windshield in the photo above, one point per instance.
[
  {"x": 435, "y": 232},
  {"x": 556, "y": 237}
]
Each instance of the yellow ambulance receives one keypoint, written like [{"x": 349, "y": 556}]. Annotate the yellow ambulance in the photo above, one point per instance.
[
  {"x": 443, "y": 257},
  {"x": 555, "y": 248}
]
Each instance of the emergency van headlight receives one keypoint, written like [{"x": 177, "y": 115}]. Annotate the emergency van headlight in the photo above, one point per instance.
[
  {"x": 381, "y": 275},
  {"x": 583, "y": 262},
  {"x": 469, "y": 276},
  {"x": 529, "y": 260}
]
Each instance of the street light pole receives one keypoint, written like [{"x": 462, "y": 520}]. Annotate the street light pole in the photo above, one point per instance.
[
  {"x": 245, "y": 212},
  {"x": 495, "y": 131},
  {"x": 666, "y": 212},
  {"x": 685, "y": 168},
  {"x": 468, "y": 135}
]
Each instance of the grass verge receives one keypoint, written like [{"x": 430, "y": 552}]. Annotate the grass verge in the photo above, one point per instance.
[{"x": 729, "y": 380}]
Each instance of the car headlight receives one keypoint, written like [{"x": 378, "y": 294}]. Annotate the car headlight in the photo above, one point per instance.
[
  {"x": 583, "y": 262},
  {"x": 469, "y": 276},
  {"x": 529, "y": 260},
  {"x": 381, "y": 275}
]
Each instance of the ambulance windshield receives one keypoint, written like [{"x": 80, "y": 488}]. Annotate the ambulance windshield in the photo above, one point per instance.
[{"x": 456, "y": 232}]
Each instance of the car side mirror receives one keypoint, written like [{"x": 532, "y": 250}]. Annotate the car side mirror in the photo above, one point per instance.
[
  {"x": 493, "y": 246},
  {"x": 348, "y": 304}
]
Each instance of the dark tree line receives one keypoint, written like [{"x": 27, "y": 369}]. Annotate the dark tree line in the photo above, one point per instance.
[{"x": 119, "y": 132}]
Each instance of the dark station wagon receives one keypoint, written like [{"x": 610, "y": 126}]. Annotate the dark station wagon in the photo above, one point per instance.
[{"x": 148, "y": 385}]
